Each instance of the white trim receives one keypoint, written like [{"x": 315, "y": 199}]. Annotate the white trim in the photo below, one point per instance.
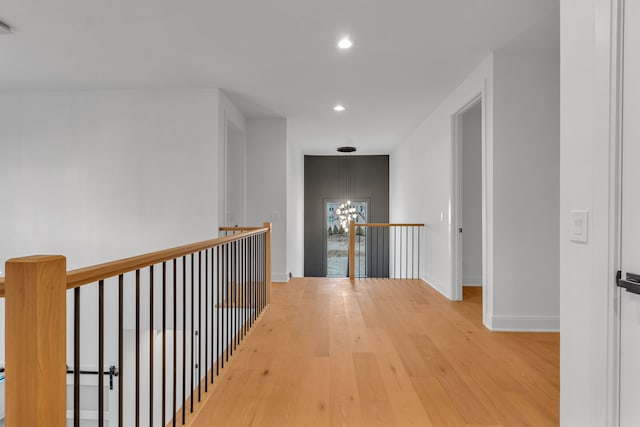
[
  {"x": 471, "y": 280},
  {"x": 487, "y": 203},
  {"x": 279, "y": 277},
  {"x": 486, "y": 103},
  {"x": 242, "y": 141},
  {"x": 438, "y": 286},
  {"x": 616, "y": 69},
  {"x": 526, "y": 323},
  {"x": 456, "y": 192}
]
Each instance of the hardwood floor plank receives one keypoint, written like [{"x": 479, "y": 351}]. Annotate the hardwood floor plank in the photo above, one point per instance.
[
  {"x": 383, "y": 352},
  {"x": 344, "y": 401}
]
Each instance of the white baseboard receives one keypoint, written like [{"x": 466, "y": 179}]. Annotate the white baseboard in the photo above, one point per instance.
[
  {"x": 525, "y": 323},
  {"x": 279, "y": 277},
  {"x": 472, "y": 285},
  {"x": 438, "y": 287},
  {"x": 471, "y": 279}
]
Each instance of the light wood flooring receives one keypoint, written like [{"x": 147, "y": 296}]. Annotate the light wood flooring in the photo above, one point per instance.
[{"x": 383, "y": 353}]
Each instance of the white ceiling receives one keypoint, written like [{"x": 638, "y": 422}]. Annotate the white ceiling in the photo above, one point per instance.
[{"x": 274, "y": 57}]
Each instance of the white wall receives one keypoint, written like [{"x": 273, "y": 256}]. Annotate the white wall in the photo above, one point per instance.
[
  {"x": 471, "y": 141},
  {"x": 100, "y": 175},
  {"x": 526, "y": 188},
  {"x": 267, "y": 185},
  {"x": 420, "y": 187},
  {"x": 520, "y": 88},
  {"x": 295, "y": 211},
  {"x": 586, "y": 270}
]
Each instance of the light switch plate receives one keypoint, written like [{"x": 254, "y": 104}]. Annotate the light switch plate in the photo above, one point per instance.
[{"x": 579, "y": 226}]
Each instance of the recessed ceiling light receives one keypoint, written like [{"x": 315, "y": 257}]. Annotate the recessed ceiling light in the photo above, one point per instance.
[
  {"x": 4, "y": 28},
  {"x": 345, "y": 43},
  {"x": 339, "y": 108}
]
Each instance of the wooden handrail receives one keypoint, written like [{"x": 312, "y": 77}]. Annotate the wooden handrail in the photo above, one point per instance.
[
  {"x": 86, "y": 275},
  {"x": 238, "y": 228},
  {"x": 379, "y": 224},
  {"x": 92, "y": 274}
]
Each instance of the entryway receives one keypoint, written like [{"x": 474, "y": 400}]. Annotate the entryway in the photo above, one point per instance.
[{"x": 469, "y": 197}]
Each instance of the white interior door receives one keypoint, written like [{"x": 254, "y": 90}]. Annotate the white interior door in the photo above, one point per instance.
[{"x": 630, "y": 225}]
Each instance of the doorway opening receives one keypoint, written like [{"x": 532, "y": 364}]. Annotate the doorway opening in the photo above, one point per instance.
[
  {"x": 234, "y": 200},
  {"x": 469, "y": 201}
]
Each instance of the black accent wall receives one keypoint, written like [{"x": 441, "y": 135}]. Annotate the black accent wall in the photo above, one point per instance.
[{"x": 328, "y": 178}]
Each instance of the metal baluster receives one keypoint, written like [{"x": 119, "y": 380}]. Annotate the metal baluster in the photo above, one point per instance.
[
  {"x": 206, "y": 318},
  {"x": 100, "y": 353},
  {"x": 184, "y": 338},
  {"x": 234, "y": 288},
  {"x": 413, "y": 249},
  {"x": 260, "y": 272},
  {"x": 213, "y": 307},
  {"x": 137, "y": 348},
  {"x": 199, "y": 325},
  {"x": 76, "y": 357},
  {"x": 246, "y": 280},
  {"x": 164, "y": 342},
  {"x": 406, "y": 270},
  {"x": 236, "y": 294},
  {"x": 120, "y": 349},
  {"x": 226, "y": 288},
  {"x": 395, "y": 251},
  {"x": 175, "y": 340},
  {"x": 419, "y": 241},
  {"x": 151, "y": 337},
  {"x": 191, "y": 332},
  {"x": 252, "y": 289},
  {"x": 218, "y": 339},
  {"x": 385, "y": 252},
  {"x": 263, "y": 270},
  {"x": 378, "y": 263},
  {"x": 400, "y": 253}
]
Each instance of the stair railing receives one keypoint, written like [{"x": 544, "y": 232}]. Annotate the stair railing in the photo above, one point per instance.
[{"x": 200, "y": 301}]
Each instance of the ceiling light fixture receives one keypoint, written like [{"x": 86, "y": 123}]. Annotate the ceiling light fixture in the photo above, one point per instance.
[
  {"x": 4, "y": 28},
  {"x": 345, "y": 43},
  {"x": 346, "y": 149},
  {"x": 347, "y": 211},
  {"x": 339, "y": 108}
]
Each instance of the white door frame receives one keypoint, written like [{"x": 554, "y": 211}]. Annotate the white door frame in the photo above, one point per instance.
[
  {"x": 613, "y": 57},
  {"x": 487, "y": 206},
  {"x": 229, "y": 125}
]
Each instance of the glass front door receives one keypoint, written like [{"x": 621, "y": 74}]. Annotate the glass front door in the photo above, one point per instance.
[{"x": 338, "y": 240}]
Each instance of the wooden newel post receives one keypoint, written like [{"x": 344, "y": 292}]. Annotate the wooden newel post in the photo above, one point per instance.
[
  {"x": 267, "y": 260},
  {"x": 36, "y": 352},
  {"x": 352, "y": 250}
]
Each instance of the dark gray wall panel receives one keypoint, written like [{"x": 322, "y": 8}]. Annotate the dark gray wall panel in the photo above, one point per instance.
[{"x": 333, "y": 178}]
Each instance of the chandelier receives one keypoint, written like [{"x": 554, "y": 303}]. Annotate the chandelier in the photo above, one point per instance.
[{"x": 346, "y": 213}]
